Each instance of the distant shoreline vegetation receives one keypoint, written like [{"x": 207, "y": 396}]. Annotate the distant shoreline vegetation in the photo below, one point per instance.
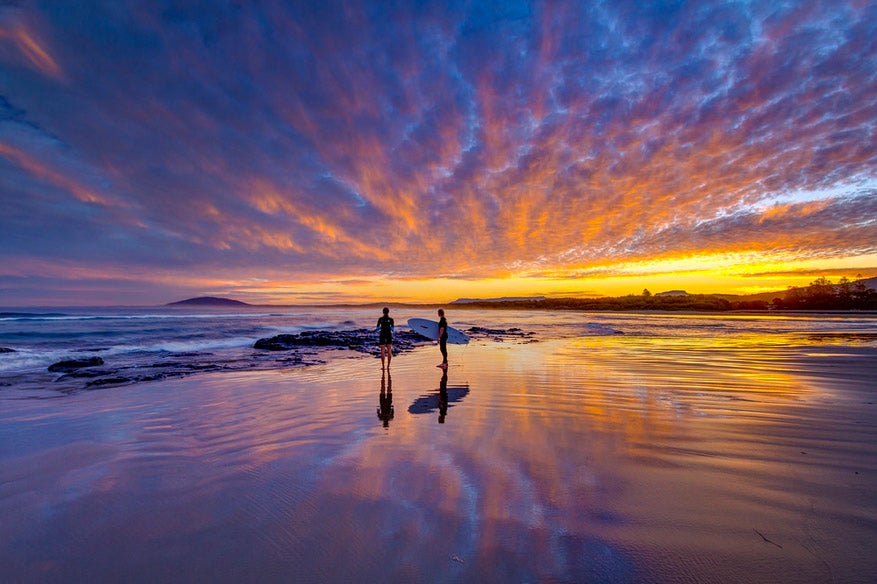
[
  {"x": 821, "y": 294},
  {"x": 690, "y": 302}
]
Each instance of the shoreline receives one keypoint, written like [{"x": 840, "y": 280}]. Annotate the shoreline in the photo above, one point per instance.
[
  {"x": 519, "y": 305},
  {"x": 114, "y": 366}
]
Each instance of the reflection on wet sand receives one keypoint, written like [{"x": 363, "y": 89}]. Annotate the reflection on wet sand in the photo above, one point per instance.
[
  {"x": 386, "y": 412},
  {"x": 598, "y": 459},
  {"x": 440, "y": 401}
]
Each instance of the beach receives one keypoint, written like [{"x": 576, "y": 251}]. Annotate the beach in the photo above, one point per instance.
[{"x": 624, "y": 449}]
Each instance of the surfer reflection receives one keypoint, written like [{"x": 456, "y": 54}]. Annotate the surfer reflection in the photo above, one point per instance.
[
  {"x": 385, "y": 407},
  {"x": 441, "y": 400},
  {"x": 443, "y": 397}
]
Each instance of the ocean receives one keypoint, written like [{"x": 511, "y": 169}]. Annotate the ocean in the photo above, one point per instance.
[{"x": 152, "y": 343}]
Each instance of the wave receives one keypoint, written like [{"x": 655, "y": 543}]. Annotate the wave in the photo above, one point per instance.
[
  {"x": 600, "y": 329},
  {"x": 26, "y": 360},
  {"x": 194, "y": 346},
  {"x": 38, "y": 359},
  {"x": 90, "y": 317},
  {"x": 64, "y": 335},
  {"x": 60, "y": 316},
  {"x": 13, "y": 316}
]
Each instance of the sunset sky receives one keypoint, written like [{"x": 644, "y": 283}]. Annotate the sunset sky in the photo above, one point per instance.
[{"x": 291, "y": 152}]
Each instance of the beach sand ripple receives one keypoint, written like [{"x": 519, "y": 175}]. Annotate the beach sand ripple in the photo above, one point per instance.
[{"x": 667, "y": 457}]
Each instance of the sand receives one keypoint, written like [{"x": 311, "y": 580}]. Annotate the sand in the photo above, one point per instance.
[{"x": 596, "y": 459}]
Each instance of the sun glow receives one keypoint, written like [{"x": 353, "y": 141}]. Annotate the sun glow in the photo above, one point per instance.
[{"x": 720, "y": 274}]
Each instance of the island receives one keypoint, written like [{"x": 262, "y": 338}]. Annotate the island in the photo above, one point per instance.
[{"x": 208, "y": 301}]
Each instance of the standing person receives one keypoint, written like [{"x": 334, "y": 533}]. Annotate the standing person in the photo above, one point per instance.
[
  {"x": 385, "y": 337},
  {"x": 443, "y": 338}
]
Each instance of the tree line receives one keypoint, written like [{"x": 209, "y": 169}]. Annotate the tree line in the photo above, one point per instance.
[
  {"x": 692, "y": 302},
  {"x": 821, "y": 294}
]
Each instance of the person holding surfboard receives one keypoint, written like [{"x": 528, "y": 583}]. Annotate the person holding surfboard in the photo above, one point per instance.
[
  {"x": 443, "y": 338},
  {"x": 385, "y": 337}
]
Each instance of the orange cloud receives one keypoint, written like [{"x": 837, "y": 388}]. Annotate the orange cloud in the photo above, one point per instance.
[
  {"x": 43, "y": 172},
  {"x": 31, "y": 48}
]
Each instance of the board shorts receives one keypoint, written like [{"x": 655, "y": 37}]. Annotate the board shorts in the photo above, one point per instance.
[{"x": 385, "y": 339}]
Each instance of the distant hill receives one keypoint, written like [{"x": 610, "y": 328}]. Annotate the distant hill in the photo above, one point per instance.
[
  {"x": 673, "y": 293},
  {"x": 208, "y": 301}
]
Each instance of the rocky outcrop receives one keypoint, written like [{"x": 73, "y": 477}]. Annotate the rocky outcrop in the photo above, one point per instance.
[
  {"x": 74, "y": 364},
  {"x": 361, "y": 340},
  {"x": 501, "y": 335}
]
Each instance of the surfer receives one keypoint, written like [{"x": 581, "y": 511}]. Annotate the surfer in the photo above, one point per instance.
[
  {"x": 385, "y": 337},
  {"x": 443, "y": 338}
]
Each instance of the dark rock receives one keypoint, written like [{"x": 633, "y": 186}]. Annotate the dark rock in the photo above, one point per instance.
[
  {"x": 361, "y": 340},
  {"x": 355, "y": 340},
  {"x": 107, "y": 381},
  {"x": 73, "y": 364},
  {"x": 156, "y": 377},
  {"x": 498, "y": 334},
  {"x": 202, "y": 366},
  {"x": 6, "y": 350},
  {"x": 84, "y": 373}
]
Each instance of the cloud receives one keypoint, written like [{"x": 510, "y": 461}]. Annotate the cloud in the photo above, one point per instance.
[
  {"x": 465, "y": 140},
  {"x": 850, "y": 273},
  {"x": 20, "y": 41}
]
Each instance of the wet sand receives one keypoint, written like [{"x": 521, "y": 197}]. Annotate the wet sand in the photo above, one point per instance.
[{"x": 596, "y": 459}]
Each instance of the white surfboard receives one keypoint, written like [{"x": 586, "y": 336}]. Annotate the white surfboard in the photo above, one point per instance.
[{"x": 430, "y": 328}]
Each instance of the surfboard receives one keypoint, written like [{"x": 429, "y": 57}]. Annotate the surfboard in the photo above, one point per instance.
[{"x": 429, "y": 329}]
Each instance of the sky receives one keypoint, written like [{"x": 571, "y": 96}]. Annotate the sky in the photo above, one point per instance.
[{"x": 312, "y": 152}]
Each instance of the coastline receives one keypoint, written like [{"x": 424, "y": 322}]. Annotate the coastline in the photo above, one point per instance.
[{"x": 119, "y": 348}]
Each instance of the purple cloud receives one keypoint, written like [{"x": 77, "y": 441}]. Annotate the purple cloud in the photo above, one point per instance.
[{"x": 362, "y": 138}]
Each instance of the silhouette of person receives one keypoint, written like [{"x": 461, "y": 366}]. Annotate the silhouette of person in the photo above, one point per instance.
[
  {"x": 385, "y": 337},
  {"x": 440, "y": 400},
  {"x": 443, "y": 396},
  {"x": 385, "y": 401},
  {"x": 443, "y": 338}
]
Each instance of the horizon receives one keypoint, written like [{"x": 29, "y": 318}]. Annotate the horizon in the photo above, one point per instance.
[
  {"x": 459, "y": 302},
  {"x": 356, "y": 154}
]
